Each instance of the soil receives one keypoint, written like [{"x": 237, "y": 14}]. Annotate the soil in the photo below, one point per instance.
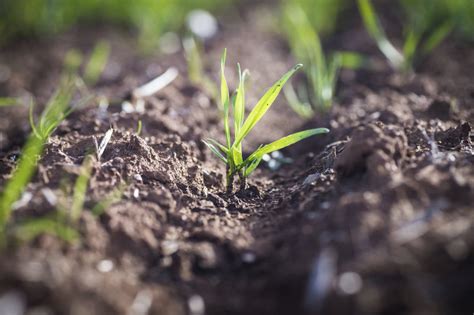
[{"x": 373, "y": 218}]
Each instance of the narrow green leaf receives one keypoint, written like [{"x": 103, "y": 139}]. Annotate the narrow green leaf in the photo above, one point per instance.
[
  {"x": 139, "y": 127},
  {"x": 286, "y": 141},
  {"x": 225, "y": 99},
  {"x": 80, "y": 189},
  {"x": 263, "y": 105},
  {"x": 411, "y": 44},
  {"x": 8, "y": 101},
  {"x": 239, "y": 113},
  {"x": 216, "y": 151},
  {"x": 21, "y": 177},
  {"x": 437, "y": 36},
  {"x": 218, "y": 145},
  {"x": 253, "y": 165},
  {"x": 376, "y": 31},
  {"x": 32, "y": 121},
  {"x": 352, "y": 60},
  {"x": 301, "y": 108},
  {"x": 239, "y": 110}
]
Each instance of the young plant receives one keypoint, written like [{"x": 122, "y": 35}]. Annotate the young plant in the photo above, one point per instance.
[
  {"x": 54, "y": 113},
  {"x": 196, "y": 73},
  {"x": 421, "y": 38},
  {"x": 231, "y": 152},
  {"x": 80, "y": 189},
  {"x": 61, "y": 222},
  {"x": 97, "y": 62},
  {"x": 322, "y": 71}
]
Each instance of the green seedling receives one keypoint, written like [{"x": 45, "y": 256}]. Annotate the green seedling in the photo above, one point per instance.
[
  {"x": 54, "y": 113},
  {"x": 71, "y": 64},
  {"x": 196, "y": 71},
  {"x": 322, "y": 71},
  {"x": 421, "y": 39},
  {"x": 231, "y": 152},
  {"x": 52, "y": 116},
  {"x": 97, "y": 62},
  {"x": 61, "y": 222},
  {"x": 80, "y": 189}
]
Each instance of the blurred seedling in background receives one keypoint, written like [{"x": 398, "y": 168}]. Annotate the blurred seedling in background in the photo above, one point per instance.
[
  {"x": 97, "y": 62},
  {"x": 150, "y": 18},
  {"x": 197, "y": 76},
  {"x": 322, "y": 70},
  {"x": 8, "y": 101},
  {"x": 231, "y": 152},
  {"x": 94, "y": 67},
  {"x": 57, "y": 108},
  {"x": 422, "y": 35},
  {"x": 69, "y": 204}
]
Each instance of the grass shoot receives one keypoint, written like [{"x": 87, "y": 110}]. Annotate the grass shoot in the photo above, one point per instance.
[
  {"x": 322, "y": 70},
  {"x": 54, "y": 113},
  {"x": 231, "y": 152},
  {"x": 8, "y": 101},
  {"x": 80, "y": 188},
  {"x": 97, "y": 62},
  {"x": 421, "y": 38},
  {"x": 196, "y": 73}
]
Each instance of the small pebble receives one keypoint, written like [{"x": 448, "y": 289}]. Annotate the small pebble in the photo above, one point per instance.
[
  {"x": 105, "y": 266},
  {"x": 350, "y": 283},
  {"x": 138, "y": 178},
  {"x": 12, "y": 303},
  {"x": 169, "y": 247},
  {"x": 142, "y": 303},
  {"x": 248, "y": 257},
  {"x": 196, "y": 305},
  {"x": 311, "y": 179}
]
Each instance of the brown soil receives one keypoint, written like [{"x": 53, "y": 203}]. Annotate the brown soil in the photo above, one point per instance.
[{"x": 374, "y": 218}]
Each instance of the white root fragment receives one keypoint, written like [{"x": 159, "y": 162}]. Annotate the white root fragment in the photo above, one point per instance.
[
  {"x": 156, "y": 84},
  {"x": 103, "y": 144}
]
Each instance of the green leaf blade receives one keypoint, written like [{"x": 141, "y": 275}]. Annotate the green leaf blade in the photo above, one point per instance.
[
  {"x": 8, "y": 101},
  {"x": 263, "y": 105},
  {"x": 373, "y": 26},
  {"x": 286, "y": 141},
  {"x": 225, "y": 99},
  {"x": 215, "y": 150}
]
